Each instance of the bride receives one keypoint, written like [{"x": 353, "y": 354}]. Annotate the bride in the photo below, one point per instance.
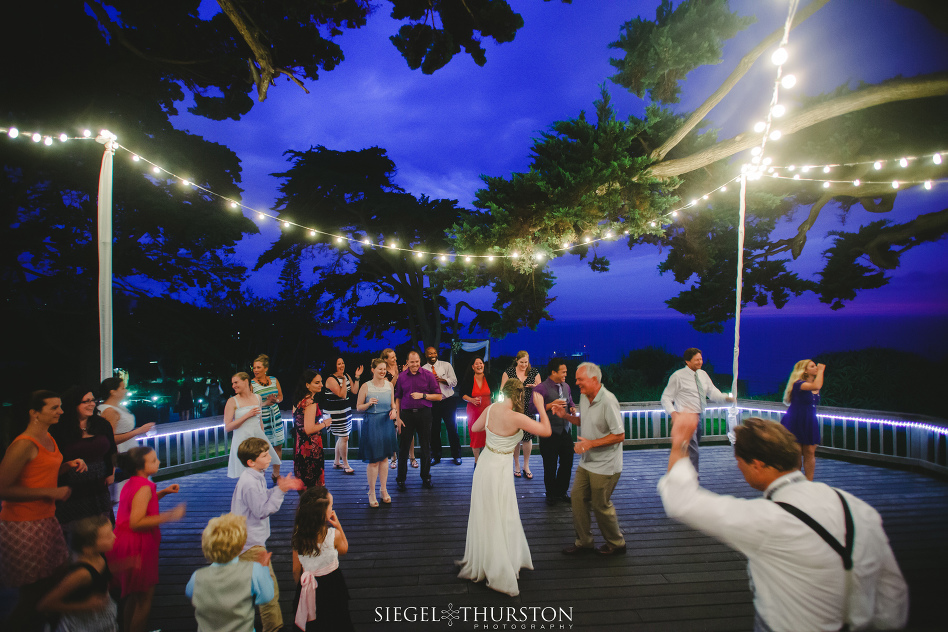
[{"x": 496, "y": 548}]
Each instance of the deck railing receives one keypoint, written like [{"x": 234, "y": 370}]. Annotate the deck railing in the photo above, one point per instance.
[{"x": 902, "y": 439}]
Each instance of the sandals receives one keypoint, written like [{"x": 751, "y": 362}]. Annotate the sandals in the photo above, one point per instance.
[
  {"x": 528, "y": 474},
  {"x": 414, "y": 462},
  {"x": 517, "y": 473},
  {"x": 386, "y": 498},
  {"x": 348, "y": 470},
  {"x": 336, "y": 466},
  {"x": 373, "y": 502},
  {"x": 394, "y": 464}
]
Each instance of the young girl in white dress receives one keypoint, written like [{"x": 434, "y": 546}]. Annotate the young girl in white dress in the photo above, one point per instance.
[
  {"x": 496, "y": 547},
  {"x": 242, "y": 416},
  {"x": 322, "y": 598}
]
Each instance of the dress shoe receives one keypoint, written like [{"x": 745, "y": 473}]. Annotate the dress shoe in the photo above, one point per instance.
[
  {"x": 551, "y": 500},
  {"x": 608, "y": 549},
  {"x": 577, "y": 550},
  {"x": 564, "y": 498},
  {"x": 457, "y": 461},
  {"x": 400, "y": 485},
  {"x": 435, "y": 461},
  {"x": 427, "y": 485}
]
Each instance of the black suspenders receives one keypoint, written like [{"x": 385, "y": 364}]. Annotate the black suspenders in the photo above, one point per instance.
[{"x": 844, "y": 552}]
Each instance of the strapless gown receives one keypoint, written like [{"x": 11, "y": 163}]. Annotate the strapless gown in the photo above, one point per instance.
[{"x": 496, "y": 547}]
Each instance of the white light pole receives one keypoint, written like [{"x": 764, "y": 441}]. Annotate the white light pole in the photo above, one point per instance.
[{"x": 108, "y": 139}]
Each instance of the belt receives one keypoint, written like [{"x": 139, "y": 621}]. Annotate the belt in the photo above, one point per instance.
[{"x": 498, "y": 451}]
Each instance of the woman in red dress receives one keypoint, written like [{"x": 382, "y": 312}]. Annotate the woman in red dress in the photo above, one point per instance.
[{"x": 476, "y": 391}]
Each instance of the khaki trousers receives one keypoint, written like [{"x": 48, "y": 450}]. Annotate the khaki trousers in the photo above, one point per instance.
[
  {"x": 270, "y": 614},
  {"x": 595, "y": 491}
]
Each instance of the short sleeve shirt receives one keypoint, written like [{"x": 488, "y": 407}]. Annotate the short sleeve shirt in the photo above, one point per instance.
[{"x": 598, "y": 419}]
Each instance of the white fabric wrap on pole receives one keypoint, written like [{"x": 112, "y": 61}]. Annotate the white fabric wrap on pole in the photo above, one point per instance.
[
  {"x": 476, "y": 346},
  {"x": 732, "y": 413},
  {"x": 105, "y": 257}
]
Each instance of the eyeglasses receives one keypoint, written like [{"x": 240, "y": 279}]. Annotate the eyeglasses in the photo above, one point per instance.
[{"x": 87, "y": 401}]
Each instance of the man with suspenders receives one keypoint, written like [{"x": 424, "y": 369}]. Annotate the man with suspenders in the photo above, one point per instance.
[{"x": 818, "y": 557}]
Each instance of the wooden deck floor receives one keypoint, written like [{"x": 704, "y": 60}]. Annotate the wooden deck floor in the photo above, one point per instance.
[{"x": 672, "y": 578}]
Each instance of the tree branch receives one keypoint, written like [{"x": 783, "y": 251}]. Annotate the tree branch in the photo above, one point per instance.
[
  {"x": 252, "y": 36},
  {"x": 119, "y": 33},
  {"x": 924, "y": 228},
  {"x": 931, "y": 85},
  {"x": 742, "y": 67}
]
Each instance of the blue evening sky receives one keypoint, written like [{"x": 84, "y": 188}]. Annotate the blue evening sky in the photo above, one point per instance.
[{"x": 444, "y": 130}]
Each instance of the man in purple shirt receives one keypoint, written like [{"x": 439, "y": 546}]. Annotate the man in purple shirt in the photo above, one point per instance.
[
  {"x": 414, "y": 392},
  {"x": 558, "y": 447}
]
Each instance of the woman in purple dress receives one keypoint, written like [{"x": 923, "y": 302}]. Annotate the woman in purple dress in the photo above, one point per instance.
[{"x": 802, "y": 396}]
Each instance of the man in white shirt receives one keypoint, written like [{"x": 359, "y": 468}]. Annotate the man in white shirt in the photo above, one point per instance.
[
  {"x": 446, "y": 409},
  {"x": 798, "y": 576},
  {"x": 684, "y": 397}
]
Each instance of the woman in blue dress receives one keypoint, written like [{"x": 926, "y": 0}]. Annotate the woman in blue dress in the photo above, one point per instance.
[
  {"x": 377, "y": 440},
  {"x": 802, "y": 396}
]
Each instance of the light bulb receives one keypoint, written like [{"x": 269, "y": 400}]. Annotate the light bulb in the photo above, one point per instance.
[
  {"x": 877, "y": 165},
  {"x": 796, "y": 176},
  {"x": 778, "y": 110},
  {"x": 233, "y": 204},
  {"x": 86, "y": 133},
  {"x": 609, "y": 234},
  {"x": 895, "y": 184},
  {"x": 928, "y": 185},
  {"x": 63, "y": 138},
  {"x": 759, "y": 126},
  {"x": 467, "y": 259},
  {"x": 856, "y": 182},
  {"x": 903, "y": 162},
  {"x": 490, "y": 258},
  {"x": 514, "y": 255},
  {"x": 260, "y": 216},
  {"x": 776, "y": 134},
  {"x": 767, "y": 160},
  {"x": 674, "y": 213},
  {"x": 393, "y": 244},
  {"x": 724, "y": 189},
  {"x": 779, "y": 57},
  {"x": 704, "y": 197},
  {"x": 135, "y": 158},
  {"x": 755, "y": 151},
  {"x": 14, "y": 132},
  {"x": 365, "y": 241},
  {"x": 418, "y": 254},
  {"x": 788, "y": 81},
  {"x": 286, "y": 224},
  {"x": 693, "y": 202},
  {"x": 826, "y": 169},
  {"x": 312, "y": 233},
  {"x": 755, "y": 160},
  {"x": 792, "y": 168},
  {"x": 586, "y": 239},
  {"x": 36, "y": 137},
  {"x": 48, "y": 141},
  {"x": 770, "y": 170},
  {"x": 538, "y": 256},
  {"x": 566, "y": 246},
  {"x": 338, "y": 239},
  {"x": 805, "y": 168},
  {"x": 826, "y": 185},
  {"x": 443, "y": 258},
  {"x": 156, "y": 169},
  {"x": 936, "y": 159},
  {"x": 625, "y": 232},
  {"x": 185, "y": 182},
  {"x": 652, "y": 224}
]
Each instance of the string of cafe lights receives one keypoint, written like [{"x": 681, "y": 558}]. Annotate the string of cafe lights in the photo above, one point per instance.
[{"x": 608, "y": 233}]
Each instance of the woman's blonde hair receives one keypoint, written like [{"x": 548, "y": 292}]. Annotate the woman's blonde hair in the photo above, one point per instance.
[
  {"x": 522, "y": 354},
  {"x": 242, "y": 375},
  {"x": 513, "y": 390},
  {"x": 263, "y": 359},
  {"x": 799, "y": 369},
  {"x": 224, "y": 537},
  {"x": 378, "y": 361}
]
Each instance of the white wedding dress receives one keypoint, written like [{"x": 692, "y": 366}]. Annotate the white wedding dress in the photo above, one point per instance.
[{"x": 496, "y": 548}]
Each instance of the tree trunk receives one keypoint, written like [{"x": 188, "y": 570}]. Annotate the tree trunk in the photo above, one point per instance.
[{"x": 932, "y": 85}]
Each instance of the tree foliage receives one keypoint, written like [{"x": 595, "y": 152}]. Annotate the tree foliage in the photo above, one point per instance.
[
  {"x": 379, "y": 286},
  {"x": 594, "y": 178}
]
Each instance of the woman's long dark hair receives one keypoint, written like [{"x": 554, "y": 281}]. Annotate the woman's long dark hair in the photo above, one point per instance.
[
  {"x": 67, "y": 431},
  {"x": 311, "y": 525},
  {"x": 301, "y": 391}
]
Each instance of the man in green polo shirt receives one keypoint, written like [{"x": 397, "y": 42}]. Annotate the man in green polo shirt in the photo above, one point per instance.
[{"x": 599, "y": 447}]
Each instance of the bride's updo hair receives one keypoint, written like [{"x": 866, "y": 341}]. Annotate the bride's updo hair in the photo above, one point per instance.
[{"x": 513, "y": 390}]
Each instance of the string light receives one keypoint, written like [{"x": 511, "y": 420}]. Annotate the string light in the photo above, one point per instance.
[
  {"x": 936, "y": 159},
  {"x": 788, "y": 81},
  {"x": 903, "y": 162}
]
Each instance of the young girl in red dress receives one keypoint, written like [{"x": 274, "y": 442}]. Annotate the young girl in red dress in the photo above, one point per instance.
[{"x": 138, "y": 534}]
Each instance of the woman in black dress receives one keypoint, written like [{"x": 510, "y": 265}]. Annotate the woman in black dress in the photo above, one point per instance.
[{"x": 530, "y": 377}]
